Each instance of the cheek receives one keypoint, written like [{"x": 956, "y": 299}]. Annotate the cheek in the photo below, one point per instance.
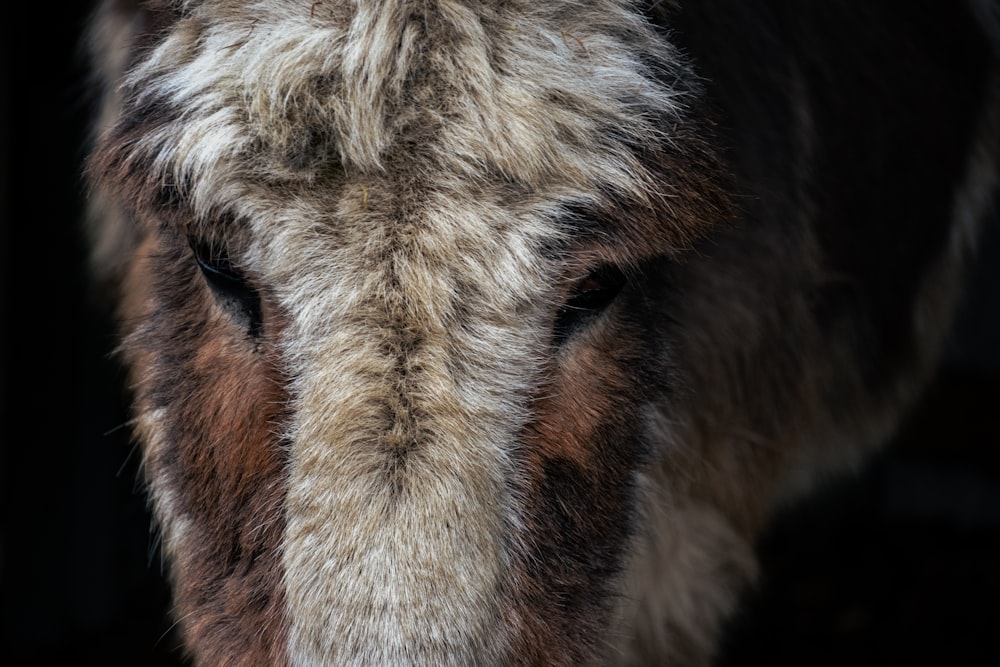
[
  {"x": 212, "y": 405},
  {"x": 582, "y": 449},
  {"x": 594, "y": 395},
  {"x": 571, "y": 417}
]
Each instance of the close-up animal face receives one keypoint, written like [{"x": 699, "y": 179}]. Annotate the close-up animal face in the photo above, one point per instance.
[{"x": 492, "y": 333}]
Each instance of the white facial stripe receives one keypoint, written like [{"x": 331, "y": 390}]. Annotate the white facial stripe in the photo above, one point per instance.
[{"x": 443, "y": 411}]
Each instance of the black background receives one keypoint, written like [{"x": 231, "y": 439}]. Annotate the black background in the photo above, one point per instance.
[{"x": 900, "y": 565}]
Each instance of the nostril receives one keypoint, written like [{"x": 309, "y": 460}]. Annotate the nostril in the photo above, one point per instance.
[{"x": 590, "y": 296}]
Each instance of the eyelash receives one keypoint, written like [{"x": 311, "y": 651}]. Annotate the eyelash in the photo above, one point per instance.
[
  {"x": 591, "y": 296},
  {"x": 229, "y": 285}
]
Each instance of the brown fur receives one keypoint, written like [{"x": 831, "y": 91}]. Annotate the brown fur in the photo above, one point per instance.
[{"x": 220, "y": 463}]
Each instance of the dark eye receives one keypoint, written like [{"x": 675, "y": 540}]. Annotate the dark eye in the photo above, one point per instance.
[
  {"x": 229, "y": 285},
  {"x": 590, "y": 296}
]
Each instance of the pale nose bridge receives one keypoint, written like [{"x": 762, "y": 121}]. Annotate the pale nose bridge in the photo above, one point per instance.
[
  {"x": 394, "y": 512},
  {"x": 405, "y": 427},
  {"x": 421, "y": 335},
  {"x": 402, "y": 453},
  {"x": 415, "y": 325}
]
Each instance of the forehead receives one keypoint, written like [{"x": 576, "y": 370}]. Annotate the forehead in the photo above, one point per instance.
[{"x": 250, "y": 105}]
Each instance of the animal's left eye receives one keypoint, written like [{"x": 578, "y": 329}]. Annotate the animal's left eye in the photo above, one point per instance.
[
  {"x": 229, "y": 285},
  {"x": 590, "y": 296}
]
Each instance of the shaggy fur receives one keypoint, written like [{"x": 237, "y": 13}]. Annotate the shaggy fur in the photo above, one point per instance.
[{"x": 492, "y": 332}]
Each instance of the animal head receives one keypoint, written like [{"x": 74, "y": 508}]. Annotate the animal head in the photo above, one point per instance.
[{"x": 445, "y": 341}]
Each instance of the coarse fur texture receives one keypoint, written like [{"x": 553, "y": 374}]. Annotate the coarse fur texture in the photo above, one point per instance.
[{"x": 492, "y": 332}]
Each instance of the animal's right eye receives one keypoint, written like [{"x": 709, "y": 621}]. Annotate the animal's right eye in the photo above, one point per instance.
[{"x": 229, "y": 285}]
